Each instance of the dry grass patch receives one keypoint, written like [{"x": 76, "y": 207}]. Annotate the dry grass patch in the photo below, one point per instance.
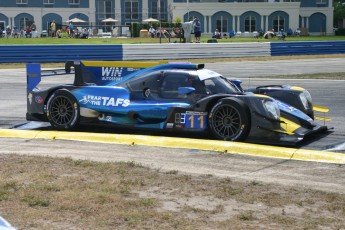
[{"x": 52, "y": 193}]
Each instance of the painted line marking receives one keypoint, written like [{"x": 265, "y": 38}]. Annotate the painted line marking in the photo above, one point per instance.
[{"x": 228, "y": 147}]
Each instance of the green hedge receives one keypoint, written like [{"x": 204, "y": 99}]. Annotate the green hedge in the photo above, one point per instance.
[{"x": 340, "y": 32}]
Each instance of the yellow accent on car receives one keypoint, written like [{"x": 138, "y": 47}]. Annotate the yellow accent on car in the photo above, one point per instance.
[
  {"x": 322, "y": 118},
  {"x": 261, "y": 95},
  {"x": 131, "y": 64},
  {"x": 288, "y": 126},
  {"x": 321, "y": 109},
  {"x": 297, "y": 88}
]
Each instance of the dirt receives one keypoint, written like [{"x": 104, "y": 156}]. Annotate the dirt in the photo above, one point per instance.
[{"x": 207, "y": 190}]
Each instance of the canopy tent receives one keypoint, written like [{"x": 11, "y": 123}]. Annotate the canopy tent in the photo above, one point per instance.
[
  {"x": 75, "y": 20},
  {"x": 110, "y": 20},
  {"x": 151, "y": 20},
  {"x": 106, "y": 21}
]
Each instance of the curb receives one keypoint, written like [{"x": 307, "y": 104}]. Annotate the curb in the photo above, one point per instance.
[{"x": 227, "y": 147}]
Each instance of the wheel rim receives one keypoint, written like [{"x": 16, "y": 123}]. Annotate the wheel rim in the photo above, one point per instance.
[
  {"x": 226, "y": 121},
  {"x": 61, "y": 110}
]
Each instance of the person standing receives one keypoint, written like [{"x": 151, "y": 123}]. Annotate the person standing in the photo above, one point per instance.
[
  {"x": 71, "y": 30},
  {"x": 197, "y": 30},
  {"x": 52, "y": 28},
  {"x": 8, "y": 31},
  {"x": 33, "y": 30}
]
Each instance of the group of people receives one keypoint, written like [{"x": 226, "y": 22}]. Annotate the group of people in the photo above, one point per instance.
[
  {"x": 15, "y": 32},
  {"x": 280, "y": 35},
  {"x": 67, "y": 31},
  {"x": 155, "y": 33},
  {"x": 163, "y": 32}
]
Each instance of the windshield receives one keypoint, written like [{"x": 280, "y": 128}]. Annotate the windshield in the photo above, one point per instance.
[{"x": 216, "y": 85}]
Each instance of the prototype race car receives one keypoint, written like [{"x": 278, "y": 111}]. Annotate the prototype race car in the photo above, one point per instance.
[{"x": 172, "y": 96}]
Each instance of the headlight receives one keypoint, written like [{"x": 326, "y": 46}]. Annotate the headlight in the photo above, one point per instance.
[
  {"x": 272, "y": 109},
  {"x": 305, "y": 99}
]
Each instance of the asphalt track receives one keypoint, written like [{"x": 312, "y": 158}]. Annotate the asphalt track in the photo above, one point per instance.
[{"x": 13, "y": 112}]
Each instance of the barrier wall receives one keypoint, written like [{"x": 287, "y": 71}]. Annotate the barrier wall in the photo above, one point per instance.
[
  {"x": 58, "y": 53},
  {"x": 62, "y": 53},
  {"x": 195, "y": 50},
  {"x": 307, "y": 48}
]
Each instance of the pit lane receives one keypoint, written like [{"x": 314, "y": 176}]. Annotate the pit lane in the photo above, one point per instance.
[{"x": 324, "y": 92}]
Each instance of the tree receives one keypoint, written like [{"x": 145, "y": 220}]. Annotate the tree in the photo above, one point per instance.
[{"x": 339, "y": 13}]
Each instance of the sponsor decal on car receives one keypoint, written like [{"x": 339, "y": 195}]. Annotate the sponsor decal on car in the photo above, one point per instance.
[
  {"x": 38, "y": 99},
  {"x": 112, "y": 73},
  {"x": 104, "y": 101},
  {"x": 191, "y": 120}
]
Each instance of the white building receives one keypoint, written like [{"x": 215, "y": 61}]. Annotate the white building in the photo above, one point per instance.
[{"x": 313, "y": 16}]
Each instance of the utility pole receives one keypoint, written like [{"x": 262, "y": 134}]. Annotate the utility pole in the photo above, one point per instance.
[{"x": 160, "y": 21}]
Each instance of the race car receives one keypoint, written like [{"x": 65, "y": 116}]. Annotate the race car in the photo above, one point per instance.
[
  {"x": 172, "y": 96},
  {"x": 4, "y": 225}
]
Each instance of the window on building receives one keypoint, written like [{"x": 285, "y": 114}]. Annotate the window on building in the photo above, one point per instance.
[
  {"x": 278, "y": 23},
  {"x": 222, "y": 24},
  {"x": 105, "y": 9},
  {"x": 23, "y": 23},
  {"x": 22, "y": 1},
  {"x": 291, "y": 1},
  {"x": 48, "y": 1},
  {"x": 73, "y": 2},
  {"x": 321, "y": 1},
  {"x": 250, "y": 24},
  {"x": 132, "y": 10},
  {"x": 158, "y": 11},
  {"x": 2, "y": 25}
]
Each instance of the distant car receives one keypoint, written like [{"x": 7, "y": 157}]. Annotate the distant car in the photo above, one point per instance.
[
  {"x": 4, "y": 225},
  {"x": 44, "y": 33},
  {"x": 173, "y": 96}
]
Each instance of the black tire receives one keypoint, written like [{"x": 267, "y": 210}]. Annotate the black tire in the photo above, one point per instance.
[
  {"x": 63, "y": 110},
  {"x": 229, "y": 120}
]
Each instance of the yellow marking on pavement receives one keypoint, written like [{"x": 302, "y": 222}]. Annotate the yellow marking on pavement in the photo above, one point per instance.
[
  {"x": 319, "y": 108},
  {"x": 322, "y": 118},
  {"x": 186, "y": 143}
]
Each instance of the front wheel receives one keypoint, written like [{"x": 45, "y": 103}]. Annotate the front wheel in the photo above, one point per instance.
[
  {"x": 230, "y": 120},
  {"x": 63, "y": 110}
]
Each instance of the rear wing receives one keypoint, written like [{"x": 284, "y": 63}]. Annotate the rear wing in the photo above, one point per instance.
[
  {"x": 104, "y": 72},
  {"x": 88, "y": 72}
]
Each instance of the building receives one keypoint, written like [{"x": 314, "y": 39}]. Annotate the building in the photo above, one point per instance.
[{"x": 315, "y": 16}]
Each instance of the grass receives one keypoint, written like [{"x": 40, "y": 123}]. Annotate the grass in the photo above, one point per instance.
[
  {"x": 61, "y": 193},
  {"x": 121, "y": 40}
]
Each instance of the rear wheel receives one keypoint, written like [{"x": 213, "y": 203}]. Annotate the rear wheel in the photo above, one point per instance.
[
  {"x": 63, "y": 110},
  {"x": 229, "y": 120}
]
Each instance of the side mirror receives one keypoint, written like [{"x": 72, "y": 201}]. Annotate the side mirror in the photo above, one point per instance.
[{"x": 186, "y": 90}]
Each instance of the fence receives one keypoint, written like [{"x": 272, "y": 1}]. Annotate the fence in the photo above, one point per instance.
[{"x": 62, "y": 53}]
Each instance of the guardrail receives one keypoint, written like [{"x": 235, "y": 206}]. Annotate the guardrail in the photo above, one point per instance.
[
  {"x": 62, "y": 53},
  {"x": 307, "y": 48},
  {"x": 58, "y": 53}
]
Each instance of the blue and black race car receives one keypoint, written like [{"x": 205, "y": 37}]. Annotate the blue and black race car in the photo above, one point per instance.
[{"x": 172, "y": 96}]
